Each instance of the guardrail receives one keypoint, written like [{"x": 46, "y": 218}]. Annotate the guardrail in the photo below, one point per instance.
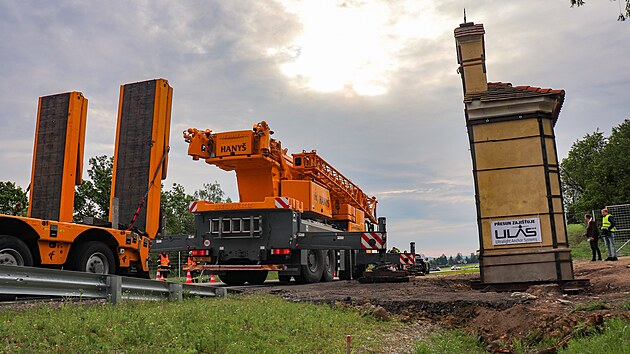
[{"x": 29, "y": 281}]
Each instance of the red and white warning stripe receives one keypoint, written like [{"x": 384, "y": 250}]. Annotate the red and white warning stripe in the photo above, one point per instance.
[
  {"x": 407, "y": 258},
  {"x": 282, "y": 203},
  {"x": 193, "y": 207},
  {"x": 372, "y": 240}
]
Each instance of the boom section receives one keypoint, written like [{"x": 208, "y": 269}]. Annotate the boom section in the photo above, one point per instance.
[{"x": 311, "y": 166}]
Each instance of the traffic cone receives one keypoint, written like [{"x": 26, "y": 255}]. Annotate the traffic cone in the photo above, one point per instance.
[
  {"x": 188, "y": 277},
  {"x": 212, "y": 278},
  {"x": 158, "y": 275}
]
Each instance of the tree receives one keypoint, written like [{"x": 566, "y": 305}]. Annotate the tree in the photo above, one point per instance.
[
  {"x": 623, "y": 14},
  {"x": 13, "y": 200},
  {"x": 92, "y": 196},
  {"x": 212, "y": 192},
  {"x": 175, "y": 203},
  {"x": 596, "y": 172},
  {"x": 441, "y": 260},
  {"x": 613, "y": 170},
  {"x": 579, "y": 170}
]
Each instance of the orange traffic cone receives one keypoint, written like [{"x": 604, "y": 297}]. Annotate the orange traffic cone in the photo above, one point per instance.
[
  {"x": 213, "y": 279},
  {"x": 188, "y": 277},
  {"x": 158, "y": 275}
]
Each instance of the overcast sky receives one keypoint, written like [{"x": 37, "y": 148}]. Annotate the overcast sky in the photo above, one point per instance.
[{"x": 370, "y": 85}]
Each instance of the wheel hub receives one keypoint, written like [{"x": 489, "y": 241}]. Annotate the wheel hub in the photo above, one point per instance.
[
  {"x": 97, "y": 263},
  {"x": 9, "y": 256},
  {"x": 312, "y": 262}
]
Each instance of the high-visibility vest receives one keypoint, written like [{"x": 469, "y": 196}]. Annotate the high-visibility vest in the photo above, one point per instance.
[
  {"x": 606, "y": 223},
  {"x": 191, "y": 262},
  {"x": 164, "y": 261}
]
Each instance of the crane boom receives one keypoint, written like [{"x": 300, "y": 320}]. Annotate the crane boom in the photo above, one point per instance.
[{"x": 312, "y": 166}]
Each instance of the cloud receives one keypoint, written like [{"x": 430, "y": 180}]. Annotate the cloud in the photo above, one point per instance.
[
  {"x": 352, "y": 46},
  {"x": 402, "y": 138}
]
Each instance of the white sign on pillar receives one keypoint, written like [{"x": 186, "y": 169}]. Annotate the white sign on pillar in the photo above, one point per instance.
[{"x": 510, "y": 232}]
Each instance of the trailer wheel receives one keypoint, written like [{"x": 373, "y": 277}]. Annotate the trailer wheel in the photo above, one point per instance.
[
  {"x": 234, "y": 278},
  {"x": 93, "y": 257},
  {"x": 330, "y": 264},
  {"x": 14, "y": 252},
  {"x": 257, "y": 277},
  {"x": 312, "y": 271}
]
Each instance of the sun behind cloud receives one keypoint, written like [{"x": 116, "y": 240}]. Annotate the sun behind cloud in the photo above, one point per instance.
[{"x": 352, "y": 45}]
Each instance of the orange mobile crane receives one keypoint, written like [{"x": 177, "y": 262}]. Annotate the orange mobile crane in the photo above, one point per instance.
[
  {"x": 296, "y": 213},
  {"x": 47, "y": 237},
  {"x": 265, "y": 172}
]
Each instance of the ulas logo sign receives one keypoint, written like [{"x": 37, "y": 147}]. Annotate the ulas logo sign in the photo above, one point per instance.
[
  {"x": 506, "y": 232},
  {"x": 522, "y": 231}
]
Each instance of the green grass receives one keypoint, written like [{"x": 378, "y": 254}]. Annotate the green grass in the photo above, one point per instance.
[
  {"x": 582, "y": 251},
  {"x": 449, "y": 341},
  {"x": 467, "y": 266},
  {"x": 615, "y": 338},
  {"x": 453, "y": 272},
  {"x": 237, "y": 324},
  {"x": 596, "y": 305},
  {"x": 575, "y": 232}
]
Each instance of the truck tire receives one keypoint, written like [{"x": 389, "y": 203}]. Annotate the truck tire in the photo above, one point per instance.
[
  {"x": 234, "y": 278},
  {"x": 330, "y": 265},
  {"x": 312, "y": 271},
  {"x": 93, "y": 257},
  {"x": 347, "y": 265},
  {"x": 14, "y": 251}
]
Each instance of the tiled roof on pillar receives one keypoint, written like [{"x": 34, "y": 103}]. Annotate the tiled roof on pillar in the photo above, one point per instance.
[
  {"x": 498, "y": 91},
  {"x": 505, "y": 91}
]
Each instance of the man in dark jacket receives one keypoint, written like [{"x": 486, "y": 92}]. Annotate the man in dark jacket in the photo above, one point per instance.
[{"x": 592, "y": 235}]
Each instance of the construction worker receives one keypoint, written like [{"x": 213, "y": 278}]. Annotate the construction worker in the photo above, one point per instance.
[
  {"x": 190, "y": 263},
  {"x": 608, "y": 234},
  {"x": 164, "y": 264}
]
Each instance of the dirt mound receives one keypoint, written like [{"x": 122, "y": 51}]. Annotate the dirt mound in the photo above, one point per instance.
[{"x": 543, "y": 312}]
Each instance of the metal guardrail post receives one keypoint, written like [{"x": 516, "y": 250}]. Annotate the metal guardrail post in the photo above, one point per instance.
[
  {"x": 114, "y": 289},
  {"x": 176, "y": 292}
]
